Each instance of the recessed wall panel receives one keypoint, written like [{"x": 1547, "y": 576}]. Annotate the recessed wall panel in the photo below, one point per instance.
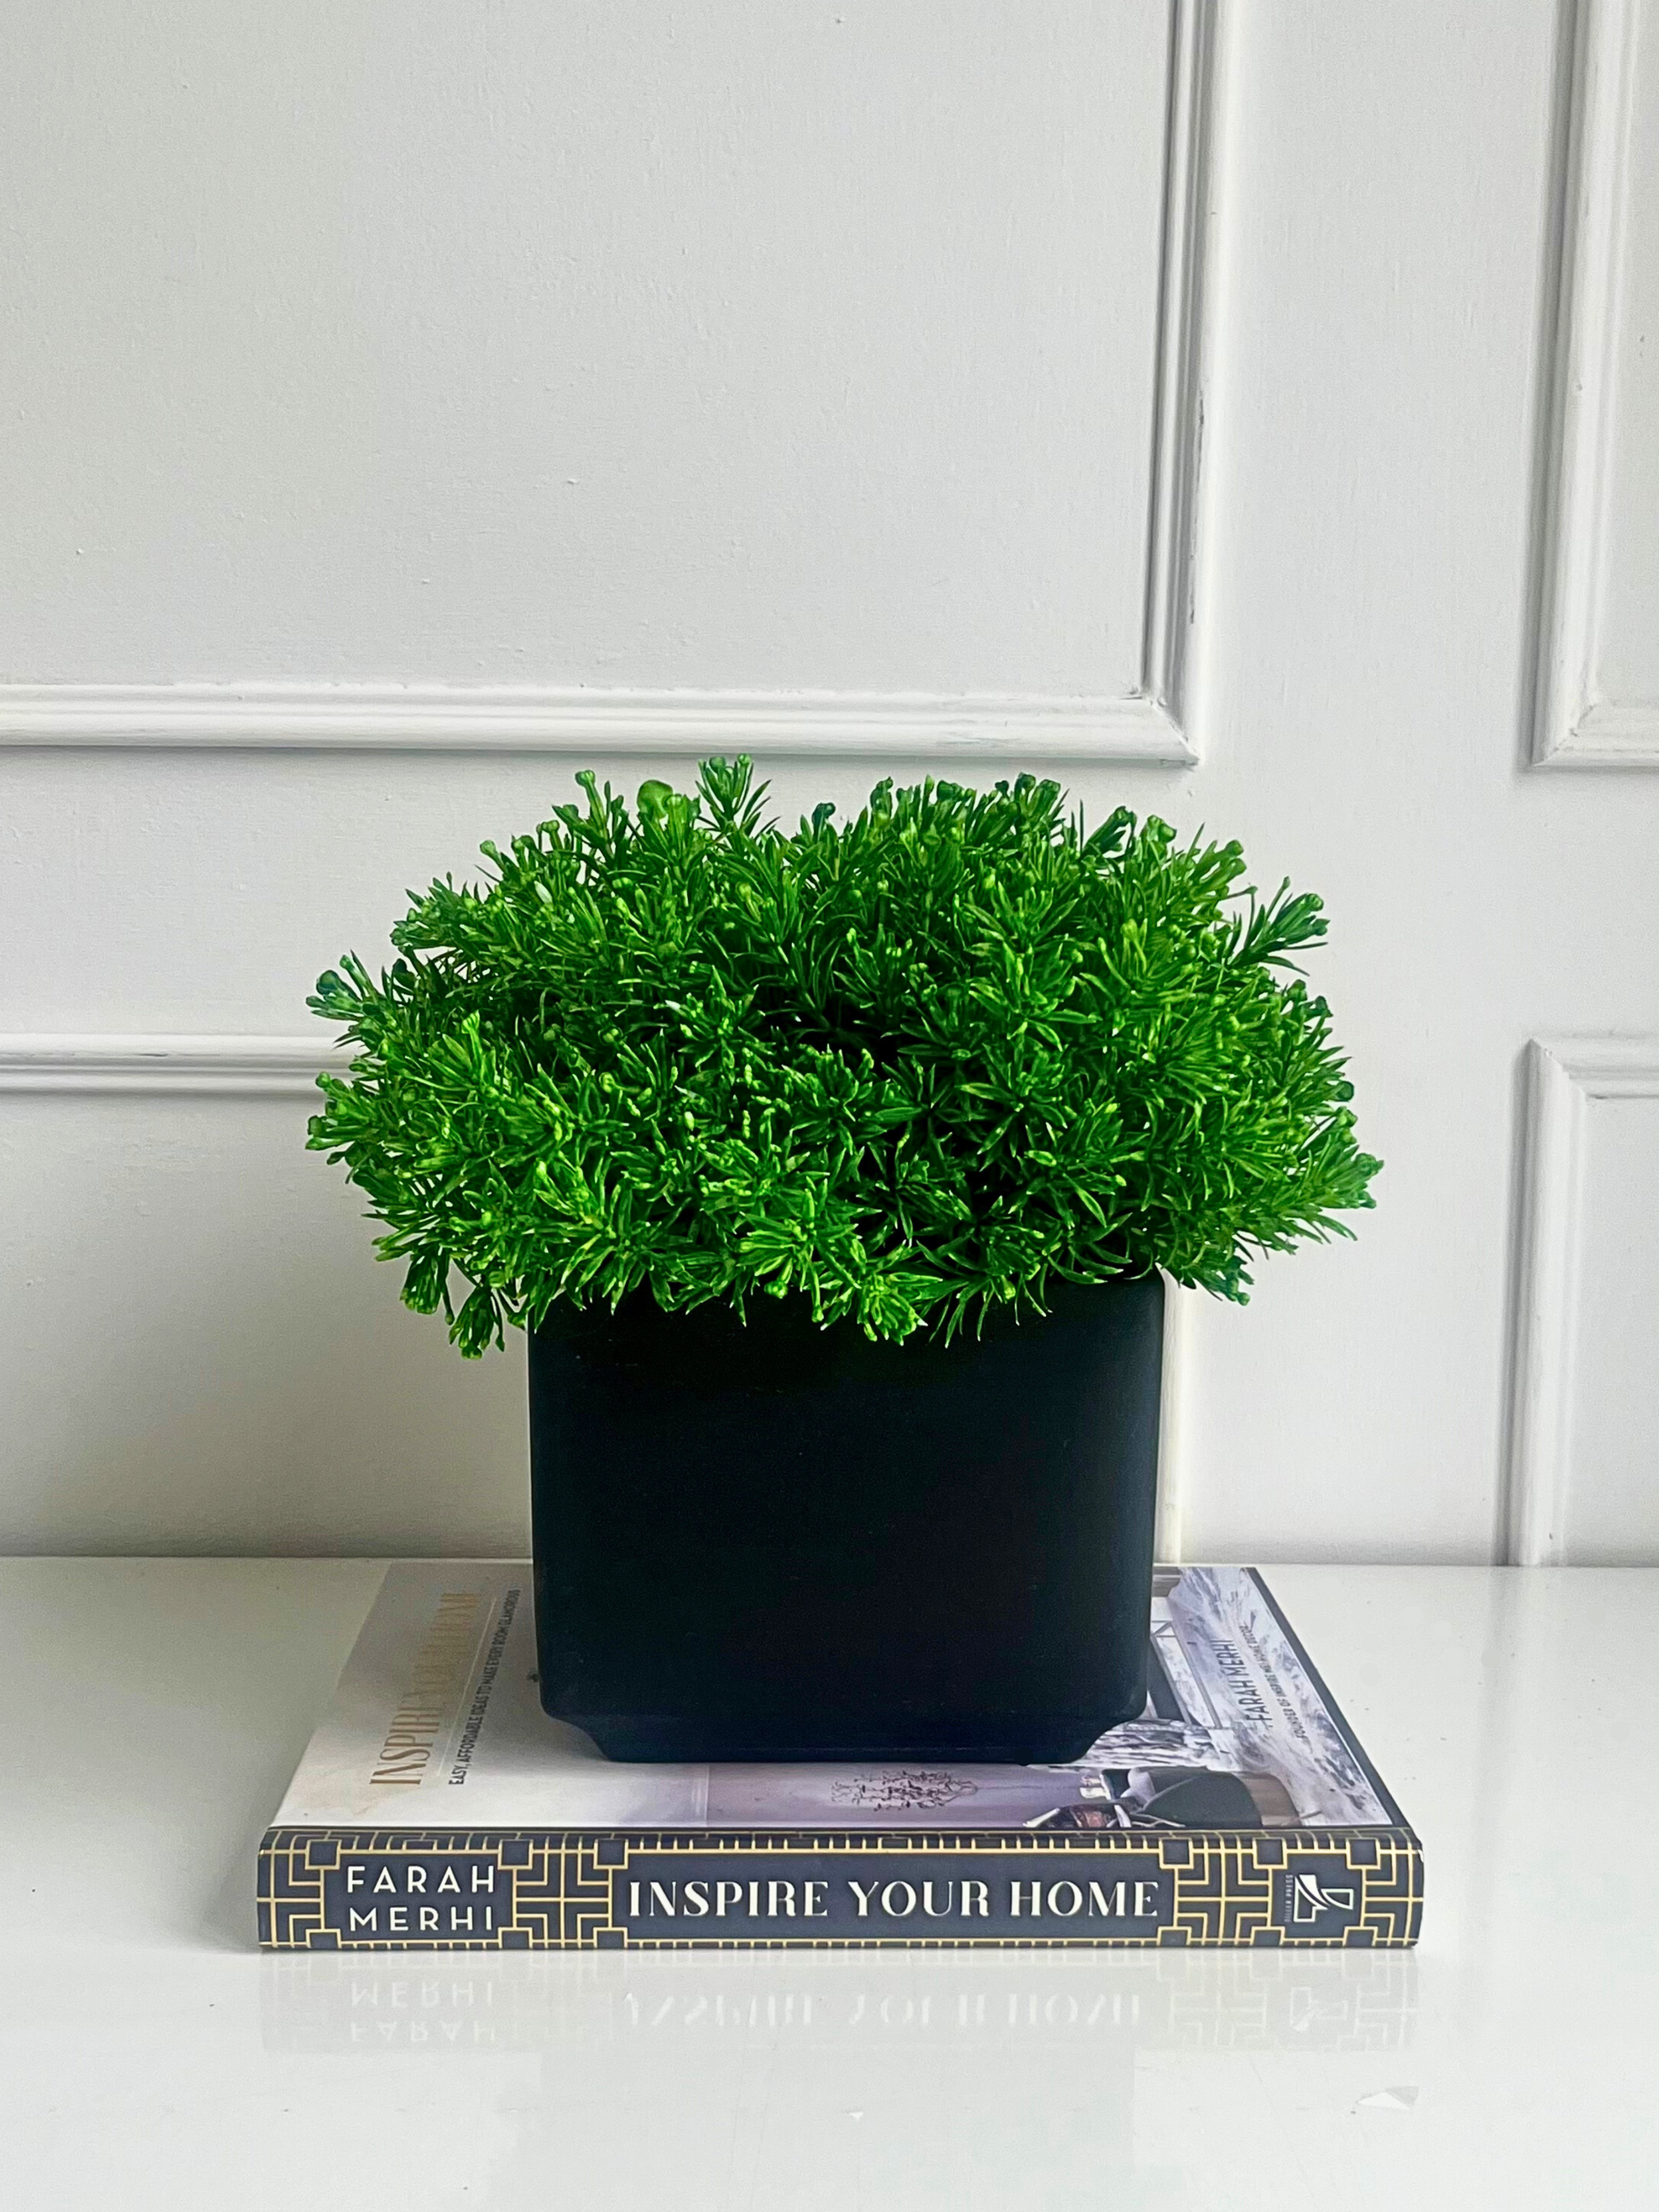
[
  {"x": 1611, "y": 1500},
  {"x": 733, "y": 346}
]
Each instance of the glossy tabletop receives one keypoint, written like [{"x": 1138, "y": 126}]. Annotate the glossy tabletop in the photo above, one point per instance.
[{"x": 150, "y": 1712}]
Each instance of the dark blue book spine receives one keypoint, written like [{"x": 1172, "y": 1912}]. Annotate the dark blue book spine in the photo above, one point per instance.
[{"x": 542, "y": 1889}]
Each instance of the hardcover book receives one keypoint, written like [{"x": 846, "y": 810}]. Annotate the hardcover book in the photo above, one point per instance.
[{"x": 438, "y": 1807}]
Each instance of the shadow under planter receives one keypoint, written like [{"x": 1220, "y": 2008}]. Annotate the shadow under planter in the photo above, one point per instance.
[{"x": 768, "y": 1541}]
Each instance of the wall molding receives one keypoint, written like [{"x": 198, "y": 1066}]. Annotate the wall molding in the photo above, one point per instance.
[
  {"x": 500, "y": 719},
  {"x": 1190, "y": 151},
  {"x": 1570, "y": 725},
  {"x": 91, "y": 1062},
  {"x": 1148, "y": 724},
  {"x": 1562, "y": 1077}
]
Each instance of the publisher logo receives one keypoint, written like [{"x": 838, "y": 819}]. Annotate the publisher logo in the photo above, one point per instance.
[{"x": 1319, "y": 1898}]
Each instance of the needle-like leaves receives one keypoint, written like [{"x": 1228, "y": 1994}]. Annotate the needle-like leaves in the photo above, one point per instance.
[{"x": 935, "y": 1058}]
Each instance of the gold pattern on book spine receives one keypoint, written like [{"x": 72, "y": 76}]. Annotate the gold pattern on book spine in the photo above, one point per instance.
[{"x": 553, "y": 1892}]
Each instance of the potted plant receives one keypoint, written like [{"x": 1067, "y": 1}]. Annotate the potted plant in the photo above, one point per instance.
[{"x": 832, "y": 1175}]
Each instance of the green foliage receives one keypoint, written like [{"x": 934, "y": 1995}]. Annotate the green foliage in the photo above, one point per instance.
[{"x": 929, "y": 1060}]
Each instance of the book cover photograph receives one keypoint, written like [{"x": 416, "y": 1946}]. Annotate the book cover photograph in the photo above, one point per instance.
[{"x": 438, "y": 1807}]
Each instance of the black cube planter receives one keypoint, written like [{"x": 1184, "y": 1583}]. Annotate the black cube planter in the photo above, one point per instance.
[{"x": 772, "y": 1541}]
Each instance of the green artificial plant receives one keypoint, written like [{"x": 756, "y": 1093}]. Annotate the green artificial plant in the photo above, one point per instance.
[{"x": 931, "y": 1060}]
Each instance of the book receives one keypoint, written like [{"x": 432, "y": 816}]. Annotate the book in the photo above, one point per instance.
[{"x": 438, "y": 1807}]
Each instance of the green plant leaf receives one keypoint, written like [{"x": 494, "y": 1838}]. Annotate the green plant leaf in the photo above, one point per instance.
[{"x": 927, "y": 1061}]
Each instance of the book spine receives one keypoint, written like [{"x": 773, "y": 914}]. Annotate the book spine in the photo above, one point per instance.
[{"x": 554, "y": 1889}]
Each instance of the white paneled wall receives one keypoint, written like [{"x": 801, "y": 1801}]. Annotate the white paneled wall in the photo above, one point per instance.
[{"x": 1246, "y": 412}]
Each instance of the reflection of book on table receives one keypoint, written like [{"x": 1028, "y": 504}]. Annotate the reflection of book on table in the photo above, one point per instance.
[{"x": 436, "y": 1744}]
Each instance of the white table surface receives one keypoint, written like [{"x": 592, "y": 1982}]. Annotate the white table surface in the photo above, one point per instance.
[{"x": 150, "y": 1712}]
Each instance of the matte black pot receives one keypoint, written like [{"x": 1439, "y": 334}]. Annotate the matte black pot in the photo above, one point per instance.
[{"x": 773, "y": 1541}]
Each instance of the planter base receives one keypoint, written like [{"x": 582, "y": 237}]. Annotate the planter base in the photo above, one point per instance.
[
  {"x": 637, "y": 1740},
  {"x": 777, "y": 1542}
]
